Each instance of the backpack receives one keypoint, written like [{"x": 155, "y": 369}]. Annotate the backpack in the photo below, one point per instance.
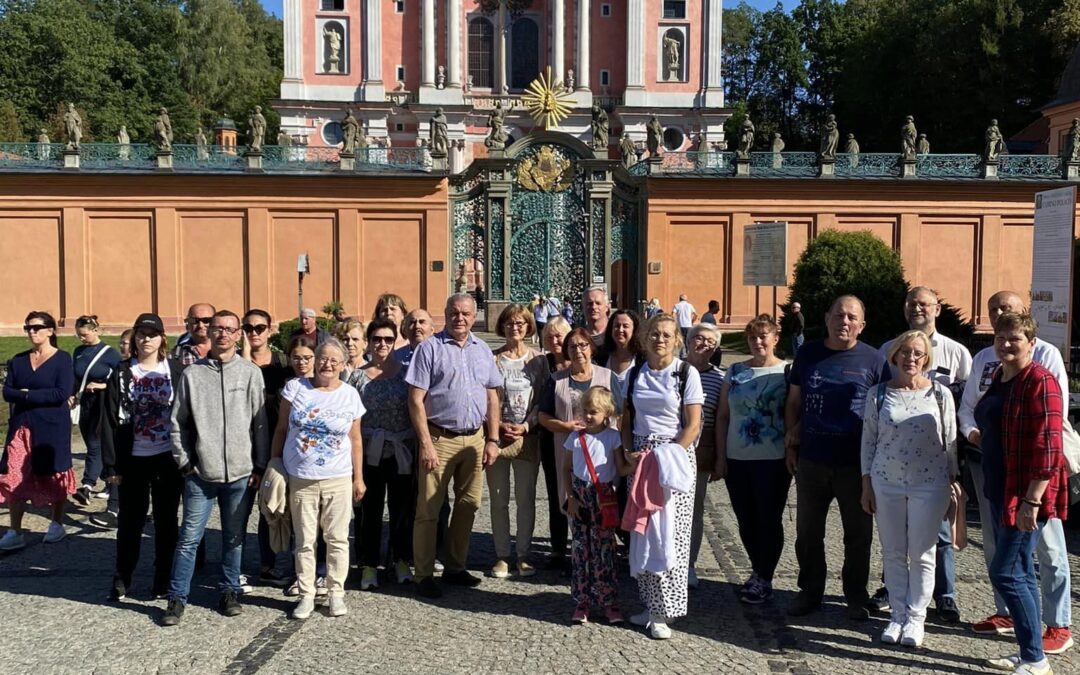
[{"x": 681, "y": 376}]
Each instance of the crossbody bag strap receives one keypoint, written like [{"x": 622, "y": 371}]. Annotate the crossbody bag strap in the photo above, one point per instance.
[
  {"x": 86, "y": 375},
  {"x": 941, "y": 413},
  {"x": 588, "y": 459}
]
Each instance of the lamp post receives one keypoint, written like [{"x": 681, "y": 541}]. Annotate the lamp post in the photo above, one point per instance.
[{"x": 302, "y": 268}]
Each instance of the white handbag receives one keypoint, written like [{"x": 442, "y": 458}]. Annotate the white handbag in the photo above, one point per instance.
[{"x": 1070, "y": 444}]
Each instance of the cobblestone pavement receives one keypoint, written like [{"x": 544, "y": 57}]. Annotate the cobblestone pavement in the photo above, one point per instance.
[{"x": 56, "y": 620}]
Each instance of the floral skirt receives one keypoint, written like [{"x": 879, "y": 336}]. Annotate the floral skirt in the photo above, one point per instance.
[{"x": 20, "y": 484}]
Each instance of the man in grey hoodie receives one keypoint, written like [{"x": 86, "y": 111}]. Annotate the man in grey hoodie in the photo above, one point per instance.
[{"x": 222, "y": 445}]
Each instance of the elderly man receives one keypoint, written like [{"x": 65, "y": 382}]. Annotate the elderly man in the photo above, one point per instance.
[
  {"x": 1050, "y": 547},
  {"x": 454, "y": 408},
  {"x": 704, "y": 346},
  {"x": 309, "y": 328},
  {"x": 417, "y": 327},
  {"x": 823, "y": 422},
  {"x": 595, "y": 308},
  {"x": 952, "y": 366},
  {"x": 684, "y": 313},
  {"x": 197, "y": 344},
  {"x": 798, "y": 328}
]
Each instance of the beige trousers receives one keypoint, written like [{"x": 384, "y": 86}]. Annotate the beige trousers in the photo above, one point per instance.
[{"x": 325, "y": 504}]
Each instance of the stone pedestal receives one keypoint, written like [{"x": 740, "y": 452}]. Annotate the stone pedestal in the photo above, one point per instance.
[
  {"x": 347, "y": 162},
  {"x": 907, "y": 168},
  {"x": 71, "y": 159},
  {"x": 990, "y": 170},
  {"x": 439, "y": 161},
  {"x": 656, "y": 165},
  {"x": 1072, "y": 171},
  {"x": 164, "y": 160},
  {"x": 826, "y": 168},
  {"x": 742, "y": 166},
  {"x": 254, "y": 161}
]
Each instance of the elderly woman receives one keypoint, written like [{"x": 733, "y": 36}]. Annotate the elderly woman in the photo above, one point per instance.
[
  {"x": 704, "y": 342},
  {"x": 662, "y": 417},
  {"x": 622, "y": 345},
  {"x": 750, "y": 453},
  {"x": 392, "y": 306},
  {"x": 352, "y": 334},
  {"x": 908, "y": 466},
  {"x": 135, "y": 426},
  {"x": 548, "y": 363},
  {"x": 518, "y": 444},
  {"x": 94, "y": 361},
  {"x": 318, "y": 439},
  {"x": 390, "y": 450},
  {"x": 1024, "y": 478},
  {"x": 36, "y": 464}
]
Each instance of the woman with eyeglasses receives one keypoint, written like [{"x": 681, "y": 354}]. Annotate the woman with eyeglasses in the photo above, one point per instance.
[
  {"x": 552, "y": 360},
  {"x": 318, "y": 439},
  {"x": 392, "y": 306},
  {"x": 36, "y": 464},
  {"x": 518, "y": 444},
  {"x": 135, "y": 426},
  {"x": 352, "y": 334},
  {"x": 301, "y": 355},
  {"x": 94, "y": 362},
  {"x": 908, "y": 467},
  {"x": 389, "y": 453}
]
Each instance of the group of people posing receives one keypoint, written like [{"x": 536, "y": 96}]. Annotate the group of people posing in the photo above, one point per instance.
[{"x": 628, "y": 433}]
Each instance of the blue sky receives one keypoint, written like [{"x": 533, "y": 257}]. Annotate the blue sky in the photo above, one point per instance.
[{"x": 274, "y": 6}]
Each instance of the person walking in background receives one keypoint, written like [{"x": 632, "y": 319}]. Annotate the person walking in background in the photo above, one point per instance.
[
  {"x": 36, "y": 464},
  {"x": 540, "y": 311},
  {"x": 568, "y": 312},
  {"x": 94, "y": 363},
  {"x": 684, "y": 313},
  {"x": 309, "y": 328},
  {"x": 798, "y": 328},
  {"x": 710, "y": 316}
]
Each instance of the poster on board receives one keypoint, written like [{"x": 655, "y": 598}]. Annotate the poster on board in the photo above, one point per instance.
[
  {"x": 765, "y": 254},
  {"x": 1052, "y": 264}
]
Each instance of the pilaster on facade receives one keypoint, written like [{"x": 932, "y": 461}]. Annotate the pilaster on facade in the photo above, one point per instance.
[
  {"x": 635, "y": 54},
  {"x": 373, "y": 89},
  {"x": 558, "y": 30},
  {"x": 427, "y": 33},
  {"x": 453, "y": 56},
  {"x": 584, "y": 44},
  {"x": 714, "y": 82}
]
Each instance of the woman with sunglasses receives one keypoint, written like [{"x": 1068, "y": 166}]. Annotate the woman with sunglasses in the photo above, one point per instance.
[
  {"x": 276, "y": 372},
  {"x": 389, "y": 452},
  {"x": 351, "y": 334},
  {"x": 135, "y": 426},
  {"x": 36, "y": 464},
  {"x": 94, "y": 362}
]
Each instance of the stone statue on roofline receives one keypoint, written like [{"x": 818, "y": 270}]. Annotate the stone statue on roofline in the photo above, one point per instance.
[
  {"x": 909, "y": 139},
  {"x": 124, "y": 141},
  {"x": 256, "y": 132},
  {"x": 600, "y": 127},
  {"x": 851, "y": 148},
  {"x": 496, "y": 138},
  {"x": 830, "y": 138},
  {"x": 202, "y": 153},
  {"x": 1071, "y": 149},
  {"x": 350, "y": 132},
  {"x": 924, "y": 145},
  {"x": 995, "y": 143},
  {"x": 163, "y": 133},
  {"x": 746, "y": 139},
  {"x": 777, "y": 143},
  {"x": 73, "y": 127},
  {"x": 627, "y": 151},
  {"x": 438, "y": 134},
  {"x": 653, "y": 135}
]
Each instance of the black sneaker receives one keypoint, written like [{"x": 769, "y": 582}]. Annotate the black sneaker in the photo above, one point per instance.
[
  {"x": 429, "y": 588},
  {"x": 159, "y": 591},
  {"x": 879, "y": 602},
  {"x": 82, "y": 496},
  {"x": 461, "y": 578},
  {"x": 229, "y": 605},
  {"x": 804, "y": 604},
  {"x": 859, "y": 610},
  {"x": 173, "y": 613},
  {"x": 947, "y": 610},
  {"x": 118, "y": 591},
  {"x": 106, "y": 519},
  {"x": 270, "y": 577}
]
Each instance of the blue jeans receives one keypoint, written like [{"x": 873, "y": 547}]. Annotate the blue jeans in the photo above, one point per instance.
[
  {"x": 199, "y": 496},
  {"x": 796, "y": 344},
  {"x": 1012, "y": 572},
  {"x": 945, "y": 572}
]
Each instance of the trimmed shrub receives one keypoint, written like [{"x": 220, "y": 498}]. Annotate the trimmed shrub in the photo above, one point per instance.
[{"x": 280, "y": 339}]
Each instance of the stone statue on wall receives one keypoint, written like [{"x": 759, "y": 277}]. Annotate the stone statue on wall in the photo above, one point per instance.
[
  {"x": 995, "y": 143},
  {"x": 124, "y": 141},
  {"x": 569, "y": 80},
  {"x": 202, "y": 153},
  {"x": 43, "y": 145},
  {"x": 1071, "y": 150},
  {"x": 830, "y": 138},
  {"x": 163, "y": 133},
  {"x": 284, "y": 139},
  {"x": 438, "y": 134},
  {"x": 923, "y": 145},
  {"x": 908, "y": 136},
  {"x": 777, "y": 143},
  {"x": 746, "y": 139},
  {"x": 851, "y": 148},
  {"x": 43, "y": 137},
  {"x": 440, "y": 78},
  {"x": 256, "y": 132},
  {"x": 496, "y": 138},
  {"x": 627, "y": 151},
  {"x": 333, "y": 44},
  {"x": 600, "y": 127},
  {"x": 672, "y": 49},
  {"x": 654, "y": 134},
  {"x": 73, "y": 127},
  {"x": 350, "y": 132}
]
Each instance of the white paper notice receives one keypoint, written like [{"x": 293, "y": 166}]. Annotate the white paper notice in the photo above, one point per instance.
[
  {"x": 765, "y": 254},
  {"x": 1051, "y": 266}
]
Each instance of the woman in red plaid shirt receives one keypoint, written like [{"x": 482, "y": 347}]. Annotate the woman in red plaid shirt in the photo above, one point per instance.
[{"x": 1024, "y": 478}]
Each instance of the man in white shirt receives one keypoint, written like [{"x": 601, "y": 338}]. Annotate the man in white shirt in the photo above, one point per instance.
[
  {"x": 1050, "y": 549},
  {"x": 684, "y": 314},
  {"x": 952, "y": 366}
]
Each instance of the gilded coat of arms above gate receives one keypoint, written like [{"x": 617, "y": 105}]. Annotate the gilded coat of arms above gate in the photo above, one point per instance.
[{"x": 549, "y": 170}]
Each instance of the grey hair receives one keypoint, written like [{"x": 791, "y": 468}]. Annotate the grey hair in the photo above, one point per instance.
[
  {"x": 332, "y": 343},
  {"x": 921, "y": 289},
  {"x": 700, "y": 328},
  {"x": 607, "y": 299},
  {"x": 458, "y": 297}
]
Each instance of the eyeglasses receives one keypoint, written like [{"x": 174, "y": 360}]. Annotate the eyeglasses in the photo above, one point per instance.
[
  {"x": 515, "y": 324},
  {"x": 204, "y": 320},
  {"x": 911, "y": 354},
  {"x": 708, "y": 342},
  {"x": 579, "y": 346},
  {"x": 257, "y": 329},
  {"x": 302, "y": 359},
  {"x": 382, "y": 339},
  {"x": 328, "y": 361},
  {"x": 922, "y": 305},
  {"x": 34, "y": 327},
  {"x": 223, "y": 330},
  {"x": 661, "y": 337}
]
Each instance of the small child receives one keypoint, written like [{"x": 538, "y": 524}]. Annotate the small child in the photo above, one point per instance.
[{"x": 592, "y": 552}]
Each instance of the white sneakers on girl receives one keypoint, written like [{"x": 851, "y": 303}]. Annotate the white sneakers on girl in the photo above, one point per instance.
[
  {"x": 304, "y": 608},
  {"x": 55, "y": 533},
  {"x": 337, "y": 606},
  {"x": 659, "y": 630},
  {"x": 912, "y": 635},
  {"x": 891, "y": 634}
]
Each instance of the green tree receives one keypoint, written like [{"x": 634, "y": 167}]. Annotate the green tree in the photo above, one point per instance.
[{"x": 11, "y": 130}]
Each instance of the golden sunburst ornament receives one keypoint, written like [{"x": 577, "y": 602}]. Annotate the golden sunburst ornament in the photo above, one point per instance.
[{"x": 547, "y": 100}]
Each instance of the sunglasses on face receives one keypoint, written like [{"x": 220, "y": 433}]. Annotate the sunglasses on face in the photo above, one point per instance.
[
  {"x": 257, "y": 329},
  {"x": 204, "y": 320},
  {"x": 382, "y": 340},
  {"x": 34, "y": 327}
]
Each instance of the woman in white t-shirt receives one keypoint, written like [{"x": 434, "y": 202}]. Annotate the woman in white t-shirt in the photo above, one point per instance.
[
  {"x": 663, "y": 406},
  {"x": 318, "y": 439},
  {"x": 137, "y": 454}
]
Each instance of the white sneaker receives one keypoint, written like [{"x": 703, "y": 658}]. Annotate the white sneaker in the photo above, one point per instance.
[
  {"x": 55, "y": 533},
  {"x": 320, "y": 587},
  {"x": 640, "y": 619},
  {"x": 891, "y": 634},
  {"x": 337, "y": 606},
  {"x": 245, "y": 587},
  {"x": 12, "y": 541},
  {"x": 304, "y": 608},
  {"x": 1009, "y": 662},
  {"x": 912, "y": 635},
  {"x": 403, "y": 572},
  {"x": 1042, "y": 668},
  {"x": 659, "y": 630},
  {"x": 691, "y": 578}
]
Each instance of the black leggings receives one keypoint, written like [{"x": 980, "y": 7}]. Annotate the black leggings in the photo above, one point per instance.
[
  {"x": 143, "y": 478},
  {"x": 759, "y": 493},
  {"x": 556, "y": 518}
]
